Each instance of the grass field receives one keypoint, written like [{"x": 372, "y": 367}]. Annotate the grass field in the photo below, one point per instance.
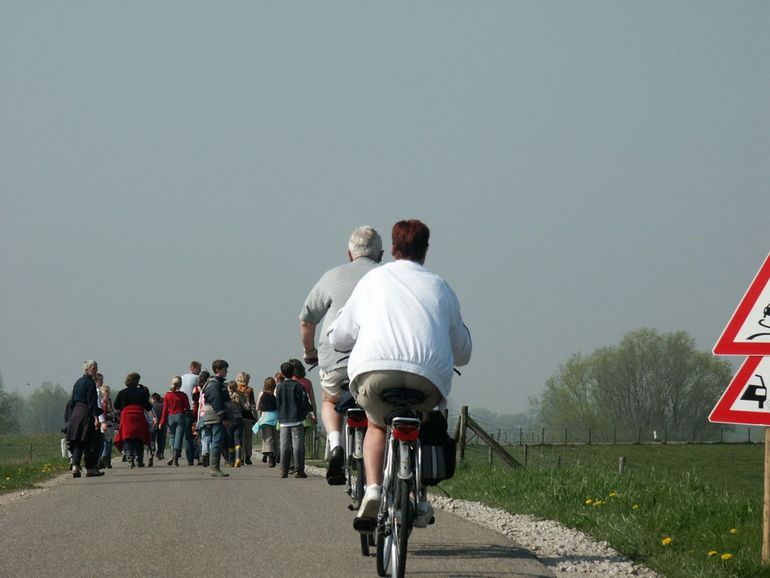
[
  {"x": 683, "y": 510},
  {"x": 28, "y": 460}
]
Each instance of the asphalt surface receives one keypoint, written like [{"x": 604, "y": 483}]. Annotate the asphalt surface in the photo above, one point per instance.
[{"x": 170, "y": 521}]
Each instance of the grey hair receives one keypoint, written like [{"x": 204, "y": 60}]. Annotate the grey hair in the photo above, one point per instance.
[
  {"x": 365, "y": 242},
  {"x": 89, "y": 363}
]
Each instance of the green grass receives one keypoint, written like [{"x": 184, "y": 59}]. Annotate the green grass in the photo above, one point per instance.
[
  {"x": 25, "y": 461},
  {"x": 693, "y": 494}
]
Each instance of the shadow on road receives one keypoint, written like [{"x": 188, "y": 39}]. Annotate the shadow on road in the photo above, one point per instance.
[{"x": 468, "y": 551}]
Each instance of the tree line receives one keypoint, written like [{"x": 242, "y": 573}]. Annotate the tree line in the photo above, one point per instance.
[
  {"x": 651, "y": 380},
  {"x": 42, "y": 411}
]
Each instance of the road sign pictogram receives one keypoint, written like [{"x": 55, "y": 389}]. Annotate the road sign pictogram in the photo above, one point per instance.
[
  {"x": 745, "y": 402},
  {"x": 748, "y": 331}
]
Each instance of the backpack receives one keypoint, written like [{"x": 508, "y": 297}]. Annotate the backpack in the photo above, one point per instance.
[{"x": 438, "y": 456}]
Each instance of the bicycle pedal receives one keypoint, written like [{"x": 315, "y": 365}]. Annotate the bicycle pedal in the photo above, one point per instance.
[{"x": 364, "y": 525}]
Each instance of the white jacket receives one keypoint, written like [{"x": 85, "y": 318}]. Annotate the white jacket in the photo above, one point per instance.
[{"x": 403, "y": 317}]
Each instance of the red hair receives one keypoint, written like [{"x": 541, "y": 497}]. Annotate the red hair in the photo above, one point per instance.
[{"x": 410, "y": 240}]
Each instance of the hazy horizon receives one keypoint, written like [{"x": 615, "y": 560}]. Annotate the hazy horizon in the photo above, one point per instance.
[{"x": 175, "y": 177}]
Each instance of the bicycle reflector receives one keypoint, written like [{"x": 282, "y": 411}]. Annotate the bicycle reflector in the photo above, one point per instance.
[
  {"x": 355, "y": 421},
  {"x": 406, "y": 432}
]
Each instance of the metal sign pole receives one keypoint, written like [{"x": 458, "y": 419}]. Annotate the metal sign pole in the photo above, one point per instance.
[{"x": 766, "y": 508}]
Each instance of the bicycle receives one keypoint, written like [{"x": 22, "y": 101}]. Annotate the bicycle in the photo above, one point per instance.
[
  {"x": 401, "y": 484},
  {"x": 356, "y": 424}
]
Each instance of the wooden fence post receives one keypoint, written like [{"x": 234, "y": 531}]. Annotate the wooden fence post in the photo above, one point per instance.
[
  {"x": 526, "y": 455},
  {"x": 639, "y": 439},
  {"x": 463, "y": 426},
  {"x": 521, "y": 436},
  {"x": 621, "y": 464},
  {"x": 542, "y": 437}
]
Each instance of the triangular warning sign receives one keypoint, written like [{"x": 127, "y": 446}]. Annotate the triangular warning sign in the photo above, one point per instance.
[
  {"x": 745, "y": 400},
  {"x": 748, "y": 332}
]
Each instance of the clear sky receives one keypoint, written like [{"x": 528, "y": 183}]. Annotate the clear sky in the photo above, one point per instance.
[{"x": 175, "y": 176}]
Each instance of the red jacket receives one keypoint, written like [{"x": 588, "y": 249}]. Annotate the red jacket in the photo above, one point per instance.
[{"x": 174, "y": 402}]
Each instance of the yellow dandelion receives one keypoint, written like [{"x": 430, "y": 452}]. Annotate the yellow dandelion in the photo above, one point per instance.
[
  {"x": 598, "y": 503},
  {"x": 7, "y": 478},
  {"x": 726, "y": 556},
  {"x": 589, "y": 501},
  {"x": 613, "y": 495},
  {"x": 712, "y": 553},
  {"x": 635, "y": 507},
  {"x": 666, "y": 541},
  {"x": 733, "y": 531}
]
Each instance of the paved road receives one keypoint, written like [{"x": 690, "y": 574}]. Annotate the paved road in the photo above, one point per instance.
[{"x": 176, "y": 521}]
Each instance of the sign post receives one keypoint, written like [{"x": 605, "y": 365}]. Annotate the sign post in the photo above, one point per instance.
[{"x": 745, "y": 401}]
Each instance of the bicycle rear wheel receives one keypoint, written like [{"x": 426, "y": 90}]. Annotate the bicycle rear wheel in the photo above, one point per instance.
[
  {"x": 358, "y": 490},
  {"x": 401, "y": 526}
]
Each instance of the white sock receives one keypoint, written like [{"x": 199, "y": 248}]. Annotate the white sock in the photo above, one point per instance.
[{"x": 334, "y": 439}]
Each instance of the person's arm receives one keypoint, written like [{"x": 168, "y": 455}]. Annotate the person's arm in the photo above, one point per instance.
[
  {"x": 307, "y": 333},
  {"x": 343, "y": 332},
  {"x": 459, "y": 334},
  {"x": 164, "y": 413}
]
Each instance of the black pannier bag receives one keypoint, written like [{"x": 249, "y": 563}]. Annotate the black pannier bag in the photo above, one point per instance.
[{"x": 437, "y": 450}]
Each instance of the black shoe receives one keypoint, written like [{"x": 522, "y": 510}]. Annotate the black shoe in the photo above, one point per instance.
[
  {"x": 264, "y": 458},
  {"x": 300, "y": 475},
  {"x": 93, "y": 473},
  {"x": 125, "y": 458},
  {"x": 284, "y": 474},
  {"x": 335, "y": 475},
  {"x": 247, "y": 461},
  {"x": 140, "y": 464}
]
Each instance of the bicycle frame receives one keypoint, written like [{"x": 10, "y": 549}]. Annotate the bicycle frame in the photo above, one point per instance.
[{"x": 401, "y": 488}]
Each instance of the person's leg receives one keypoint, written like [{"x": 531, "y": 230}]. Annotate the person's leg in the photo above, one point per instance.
[
  {"x": 331, "y": 387},
  {"x": 76, "y": 447},
  {"x": 237, "y": 437},
  {"x": 189, "y": 442},
  {"x": 161, "y": 443},
  {"x": 217, "y": 442},
  {"x": 374, "y": 452},
  {"x": 285, "y": 450},
  {"x": 298, "y": 441},
  {"x": 205, "y": 434},
  {"x": 247, "y": 437}
]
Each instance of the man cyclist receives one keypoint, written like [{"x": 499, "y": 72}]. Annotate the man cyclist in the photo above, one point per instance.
[
  {"x": 324, "y": 301},
  {"x": 404, "y": 329}
]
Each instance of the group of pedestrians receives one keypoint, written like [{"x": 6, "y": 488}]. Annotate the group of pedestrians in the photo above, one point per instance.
[
  {"x": 412, "y": 338},
  {"x": 203, "y": 416}
]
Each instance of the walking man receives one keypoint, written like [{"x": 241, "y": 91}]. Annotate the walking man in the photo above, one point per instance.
[
  {"x": 323, "y": 303},
  {"x": 189, "y": 382}
]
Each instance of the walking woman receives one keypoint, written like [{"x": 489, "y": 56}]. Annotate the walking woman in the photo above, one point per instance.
[
  {"x": 108, "y": 411},
  {"x": 246, "y": 394},
  {"x": 82, "y": 421},
  {"x": 176, "y": 411},
  {"x": 134, "y": 431},
  {"x": 267, "y": 407}
]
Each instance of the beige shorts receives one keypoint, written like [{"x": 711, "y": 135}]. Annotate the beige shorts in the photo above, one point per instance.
[
  {"x": 330, "y": 382},
  {"x": 371, "y": 384}
]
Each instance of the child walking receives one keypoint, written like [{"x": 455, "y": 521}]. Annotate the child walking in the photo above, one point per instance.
[
  {"x": 235, "y": 426},
  {"x": 293, "y": 406}
]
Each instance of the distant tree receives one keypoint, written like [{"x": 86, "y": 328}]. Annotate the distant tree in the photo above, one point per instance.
[
  {"x": 650, "y": 381},
  {"x": 10, "y": 410},
  {"x": 44, "y": 409}
]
